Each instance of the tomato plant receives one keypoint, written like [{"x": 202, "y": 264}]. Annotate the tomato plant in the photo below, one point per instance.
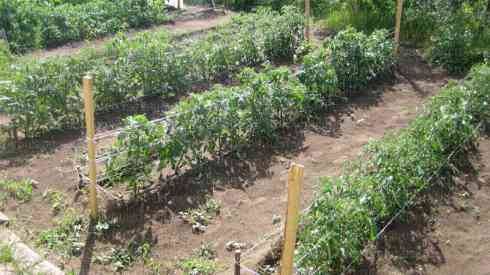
[
  {"x": 390, "y": 172},
  {"x": 44, "y": 94}
]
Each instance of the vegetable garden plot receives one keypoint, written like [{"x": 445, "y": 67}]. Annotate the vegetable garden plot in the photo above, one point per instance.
[
  {"x": 230, "y": 120},
  {"x": 251, "y": 205},
  {"x": 42, "y": 96}
]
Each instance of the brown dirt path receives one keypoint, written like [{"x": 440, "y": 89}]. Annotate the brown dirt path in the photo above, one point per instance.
[
  {"x": 193, "y": 19},
  {"x": 251, "y": 192}
]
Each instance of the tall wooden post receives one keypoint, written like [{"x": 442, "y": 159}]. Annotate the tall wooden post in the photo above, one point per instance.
[
  {"x": 237, "y": 262},
  {"x": 295, "y": 183},
  {"x": 307, "y": 20},
  {"x": 90, "y": 125},
  {"x": 399, "y": 12}
]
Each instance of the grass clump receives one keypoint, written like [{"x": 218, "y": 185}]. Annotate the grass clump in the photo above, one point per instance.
[
  {"x": 19, "y": 190},
  {"x": 202, "y": 262}
]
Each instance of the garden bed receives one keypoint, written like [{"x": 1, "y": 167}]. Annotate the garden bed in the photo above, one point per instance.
[{"x": 251, "y": 193}]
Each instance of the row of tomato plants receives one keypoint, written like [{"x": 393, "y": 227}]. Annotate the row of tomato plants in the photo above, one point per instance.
[
  {"x": 44, "y": 95},
  {"x": 232, "y": 119},
  {"x": 32, "y": 24},
  {"x": 392, "y": 173}
]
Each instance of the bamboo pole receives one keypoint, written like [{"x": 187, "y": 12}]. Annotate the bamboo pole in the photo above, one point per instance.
[
  {"x": 90, "y": 125},
  {"x": 295, "y": 183},
  {"x": 307, "y": 20},
  {"x": 399, "y": 12}
]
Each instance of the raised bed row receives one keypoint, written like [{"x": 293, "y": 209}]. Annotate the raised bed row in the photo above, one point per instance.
[
  {"x": 45, "y": 95},
  {"x": 391, "y": 174}
]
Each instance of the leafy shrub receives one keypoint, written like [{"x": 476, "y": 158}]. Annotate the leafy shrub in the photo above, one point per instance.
[
  {"x": 45, "y": 95},
  {"x": 358, "y": 58},
  {"x": 29, "y": 25},
  {"x": 140, "y": 137},
  {"x": 454, "y": 44},
  {"x": 320, "y": 79},
  {"x": 390, "y": 173}
]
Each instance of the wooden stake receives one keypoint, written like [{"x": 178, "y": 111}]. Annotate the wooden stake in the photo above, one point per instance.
[
  {"x": 399, "y": 12},
  {"x": 90, "y": 125},
  {"x": 307, "y": 20},
  {"x": 237, "y": 261},
  {"x": 295, "y": 183}
]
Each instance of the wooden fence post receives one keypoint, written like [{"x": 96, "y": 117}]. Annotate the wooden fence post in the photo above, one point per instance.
[
  {"x": 295, "y": 183},
  {"x": 90, "y": 125},
  {"x": 237, "y": 261},
  {"x": 399, "y": 12},
  {"x": 307, "y": 20}
]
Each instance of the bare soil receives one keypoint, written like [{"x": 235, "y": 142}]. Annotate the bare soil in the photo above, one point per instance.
[{"x": 251, "y": 191}]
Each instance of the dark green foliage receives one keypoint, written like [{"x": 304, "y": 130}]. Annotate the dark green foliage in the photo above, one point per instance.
[
  {"x": 30, "y": 25},
  {"x": 320, "y": 79},
  {"x": 391, "y": 173},
  {"x": 358, "y": 58}
]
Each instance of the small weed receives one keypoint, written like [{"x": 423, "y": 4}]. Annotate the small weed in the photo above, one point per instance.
[
  {"x": 202, "y": 262},
  {"x": 205, "y": 251},
  {"x": 19, "y": 190},
  {"x": 122, "y": 258},
  {"x": 6, "y": 254},
  {"x": 56, "y": 199},
  {"x": 202, "y": 216},
  {"x": 104, "y": 226},
  {"x": 198, "y": 266},
  {"x": 65, "y": 238}
]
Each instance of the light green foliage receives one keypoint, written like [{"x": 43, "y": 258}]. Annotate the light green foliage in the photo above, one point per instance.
[
  {"x": 45, "y": 94},
  {"x": 5, "y": 60},
  {"x": 65, "y": 239},
  {"x": 6, "y": 254},
  {"x": 352, "y": 208},
  {"x": 140, "y": 137},
  {"x": 202, "y": 262},
  {"x": 19, "y": 190},
  {"x": 56, "y": 199}
]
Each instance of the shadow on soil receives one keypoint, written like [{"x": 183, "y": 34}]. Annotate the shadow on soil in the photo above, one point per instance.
[{"x": 408, "y": 244}]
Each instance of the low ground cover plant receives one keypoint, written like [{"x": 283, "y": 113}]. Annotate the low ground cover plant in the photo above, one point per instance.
[
  {"x": 44, "y": 95},
  {"x": 351, "y": 209},
  {"x": 66, "y": 237}
]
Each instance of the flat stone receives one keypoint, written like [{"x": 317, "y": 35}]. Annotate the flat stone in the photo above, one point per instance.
[{"x": 4, "y": 220}]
